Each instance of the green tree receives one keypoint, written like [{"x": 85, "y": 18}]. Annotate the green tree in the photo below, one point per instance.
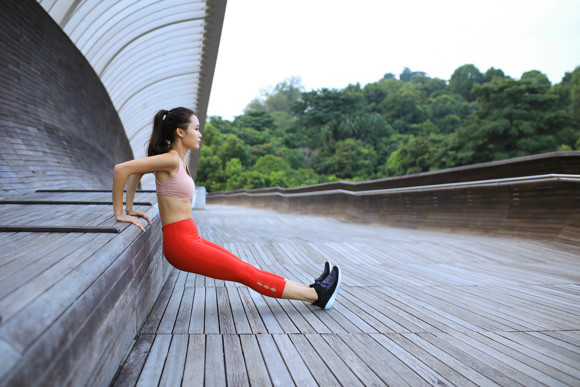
[
  {"x": 575, "y": 95},
  {"x": 252, "y": 136},
  {"x": 464, "y": 79},
  {"x": 516, "y": 118},
  {"x": 211, "y": 135},
  {"x": 210, "y": 171},
  {"x": 257, "y": 120},
  {"x": 352, "y": 159},
  {"x": 407, "y": 75},
  {"x": 271, "y": 163},
  {"x": 284, "y": 95},
  {"x": 320, "y": 114},
  {"x": 234, "y": 174},
  {"x": 404, "y": 107},
  {"x": 492, "y": 73},
  {"x": 232, "y": 147}
]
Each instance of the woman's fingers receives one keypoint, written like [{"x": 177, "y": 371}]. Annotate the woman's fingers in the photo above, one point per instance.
[
  {"x": 131, "y": 219},
  {"x": 142, "y": 215},
  {"x": 138, "y": 224}
]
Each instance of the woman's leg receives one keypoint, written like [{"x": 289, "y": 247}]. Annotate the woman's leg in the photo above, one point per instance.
[
  {"x": 196, "y": 256},
  {"x": 218, "y": 247},
  {"x": 295, "y": 291}
]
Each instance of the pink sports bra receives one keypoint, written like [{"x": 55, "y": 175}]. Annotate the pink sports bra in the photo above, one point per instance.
[{"x": 179, "y": 186}]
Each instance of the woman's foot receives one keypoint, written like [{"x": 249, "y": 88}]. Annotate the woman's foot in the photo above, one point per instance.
[
  {"x": 327, "y": 289},
  {"x": 324, "y": 274}
]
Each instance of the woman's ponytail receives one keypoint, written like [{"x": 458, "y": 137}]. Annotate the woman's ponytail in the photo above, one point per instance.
[{"x": 164, "y": 124}]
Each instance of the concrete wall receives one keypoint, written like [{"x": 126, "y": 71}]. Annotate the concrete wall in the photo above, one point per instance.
[{"x": 58, "y": 126}]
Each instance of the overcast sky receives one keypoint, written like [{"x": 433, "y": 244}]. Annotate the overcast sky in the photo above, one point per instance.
[{"x": 333, "y": 43}]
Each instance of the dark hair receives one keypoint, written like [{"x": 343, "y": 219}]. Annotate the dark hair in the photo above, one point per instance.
[{"x": 164, "y": 125}]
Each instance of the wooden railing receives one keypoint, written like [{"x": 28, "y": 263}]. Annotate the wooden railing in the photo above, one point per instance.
[{"x": 535, "y": 196}]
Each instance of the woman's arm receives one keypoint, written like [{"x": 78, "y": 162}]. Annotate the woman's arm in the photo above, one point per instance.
[
  {"x": 139, "y": 167},
  {"x": 132, "y": 183}
]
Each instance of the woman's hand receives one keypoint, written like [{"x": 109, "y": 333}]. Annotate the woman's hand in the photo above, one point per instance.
[{"x": 131, "y": 217}]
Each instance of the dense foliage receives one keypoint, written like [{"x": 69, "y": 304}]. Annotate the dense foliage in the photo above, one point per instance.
[{"x": 290, "y": 137}]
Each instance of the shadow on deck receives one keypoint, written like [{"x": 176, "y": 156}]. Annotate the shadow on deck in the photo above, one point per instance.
[{"x": 416, "y": 308}]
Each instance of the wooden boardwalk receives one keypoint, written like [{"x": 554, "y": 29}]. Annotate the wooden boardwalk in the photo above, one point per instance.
[{"x": 416, "y": 308}]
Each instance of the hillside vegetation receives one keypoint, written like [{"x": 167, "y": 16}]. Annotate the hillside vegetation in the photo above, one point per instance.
[{"x": 398, "y": 125}]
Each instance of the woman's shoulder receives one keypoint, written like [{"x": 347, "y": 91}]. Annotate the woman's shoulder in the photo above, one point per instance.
[{"x": 167, "y": 161}]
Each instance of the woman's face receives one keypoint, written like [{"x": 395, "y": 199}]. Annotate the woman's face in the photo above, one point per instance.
[{"x": 192, "y": 136}]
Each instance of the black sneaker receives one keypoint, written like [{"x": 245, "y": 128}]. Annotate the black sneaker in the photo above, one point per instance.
[
  {"x": 324, "y": 274},
  {"x": 328, "y": 288}
]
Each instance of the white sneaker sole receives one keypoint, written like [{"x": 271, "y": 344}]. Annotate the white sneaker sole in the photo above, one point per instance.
[{"x": 333, "y": 297}]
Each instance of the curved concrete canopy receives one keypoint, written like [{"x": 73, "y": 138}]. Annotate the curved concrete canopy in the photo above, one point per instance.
[{"x": 149, "y": 54}]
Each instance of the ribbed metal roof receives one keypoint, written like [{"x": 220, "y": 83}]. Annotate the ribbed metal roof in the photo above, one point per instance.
[{"x": 149, "y": 54}]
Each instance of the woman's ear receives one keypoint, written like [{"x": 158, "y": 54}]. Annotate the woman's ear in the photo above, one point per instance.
[{"x": 179, "y": 132}]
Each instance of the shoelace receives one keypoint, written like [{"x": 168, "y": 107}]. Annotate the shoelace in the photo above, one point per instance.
[{"x": 327, "y": 280}]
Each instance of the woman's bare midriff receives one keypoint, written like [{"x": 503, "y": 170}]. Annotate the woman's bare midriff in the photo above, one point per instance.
[{"x": 173, "y": 210}]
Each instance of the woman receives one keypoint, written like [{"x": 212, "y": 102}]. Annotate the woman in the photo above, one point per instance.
[{"x": 175, "y": 132}]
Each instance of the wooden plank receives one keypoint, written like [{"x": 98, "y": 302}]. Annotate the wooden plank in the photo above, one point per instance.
[
  {"x": 13, "y": 276},
  {"x": 194, "y": 372},
  {"x": 151, "y": 373},
  {"x": 318, "y": 367},
  {"x": 386, "y": 365},
  {"x": 366, "y": 311},
  {"x": 285, "y": 323},
  {"x": 541, "y": 362},
  {"x": 412, "y": 316},
  {"x": 27, "y": 250},
  {"x": 154, "y": 319},
  {"x": 313, "y": 316},
  {"x": 471, "y": 359},
  {"x": 334, "y": 361},
  {"x": 129, "y": 373},
  {"x": 355, "y": 363},
  {"x": 438, "y": 371},
  {"x": 544, "y": 346},
  {"x": 197, "y": 322},
  {"x": 257, "y": 371},
  {"x": 172, "y": 309},
  {"x": 212, "y": 324},
  {"x": 186, "y": 306},
  {"x": 61, "y": 229},
  {"x": 570, "y": 338},
  {"x": 30, "y": 202},
  {"x": 413, "y": 363},
  {"x": 175, "y": 362},
  {"x": 452, "y": 362},
  {"x": 226, "y": 320},
  {"x": 294, "y": 321},
  {"x": 215, "y": 374},
  {"x": 266, "y": 314},
  {"x": 239, "y": 317},
  {"x": 521, "y": 361},
  {"x": 27, "y": 285},
  {"x": 236, "y": 373},
  {"x": 296, "y": 366},
  {"x": 277, "y": 369},
  {"x": 506, "y": 364},
  {"x": 254, "y": 319}
]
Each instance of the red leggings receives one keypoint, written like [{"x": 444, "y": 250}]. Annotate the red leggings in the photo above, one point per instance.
[{"x": 187, "y": 251}]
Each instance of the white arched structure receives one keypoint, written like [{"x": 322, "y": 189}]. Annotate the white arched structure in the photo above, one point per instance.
[{"x": 149, "y": 54}]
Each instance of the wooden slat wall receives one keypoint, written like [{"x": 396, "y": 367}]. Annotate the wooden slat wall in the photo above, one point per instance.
[
  {"x": 542, "y": 207},
  {"x": 71, "y": 303}
]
